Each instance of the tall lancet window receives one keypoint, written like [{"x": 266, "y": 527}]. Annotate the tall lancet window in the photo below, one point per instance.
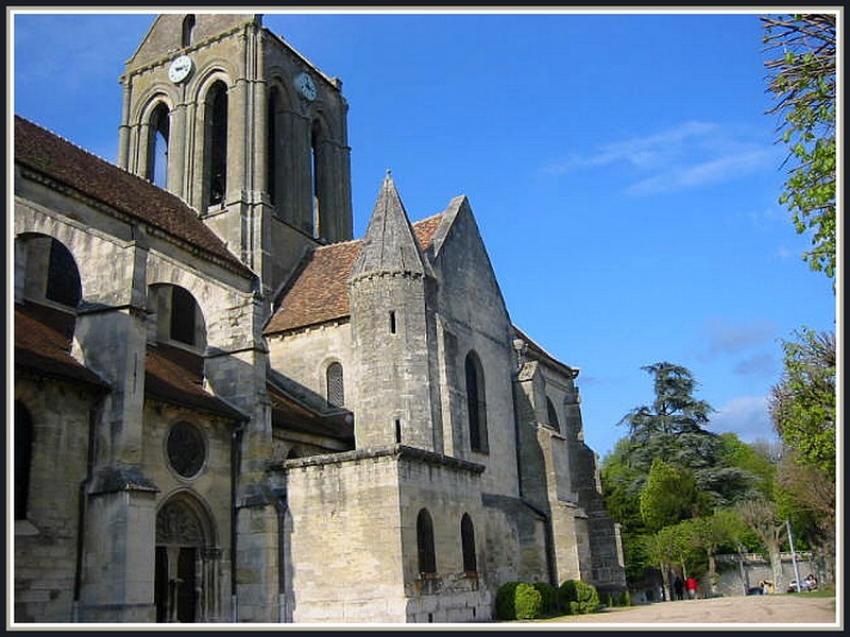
[
  {"x": 315, "y": 171},
  {"x": 158, "y": 132},
  {"x": 425, "y": 542},
  {"x": 271, "y": 145},
  {"x": 476, "y": 403},
  {"x": 188, "y": 27},
  {"x": 23, "y": 459},
  {"x": 216, "y": 143}
]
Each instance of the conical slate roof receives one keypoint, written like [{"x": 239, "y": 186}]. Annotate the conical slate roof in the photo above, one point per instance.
[{"x": 389, "y": 244}]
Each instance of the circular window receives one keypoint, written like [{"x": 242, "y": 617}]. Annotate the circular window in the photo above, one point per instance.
[{"x": 186, "y": 449}]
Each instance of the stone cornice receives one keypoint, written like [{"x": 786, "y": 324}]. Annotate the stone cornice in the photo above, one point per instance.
[{"x": 397, "y": 452}]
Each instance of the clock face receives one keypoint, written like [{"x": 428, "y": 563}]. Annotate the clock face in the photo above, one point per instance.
[
  {"x": 180, "y": 69},
  {"x": 304, "y": 85}
]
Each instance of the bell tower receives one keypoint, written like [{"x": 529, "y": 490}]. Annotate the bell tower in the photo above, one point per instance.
[{"x": 227, "y": 116}]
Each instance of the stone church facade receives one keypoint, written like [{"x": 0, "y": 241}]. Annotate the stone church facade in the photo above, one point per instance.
[{"x": 227, "y": 409}]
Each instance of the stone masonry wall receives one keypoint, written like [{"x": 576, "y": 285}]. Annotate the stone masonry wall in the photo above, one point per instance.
[
  {"x": 344, "y": 549},
  {"x": 46, "y": 542},
  {"x": 211, "y": 487},
  {"x": 447, "y": 492}
]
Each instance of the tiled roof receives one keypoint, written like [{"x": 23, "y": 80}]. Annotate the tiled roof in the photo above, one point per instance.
[
  {"x": 288, "y": 413},
  {"x": 177, "y": 376},
  {"x": 319, "y": 290},
  {"x": 43, "y": 344},
  {"x": 58, "y": 159}
]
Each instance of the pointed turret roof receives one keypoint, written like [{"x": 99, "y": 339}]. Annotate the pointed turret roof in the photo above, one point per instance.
[{"x": 390, "y": 244}]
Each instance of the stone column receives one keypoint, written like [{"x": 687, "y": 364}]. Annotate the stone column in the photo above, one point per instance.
[
  {"x": 176, "y": 152},
  {"x": 110, "y": 338},
  {"x": 124, "y": 128},
  {"x": 236, "y": 370}
]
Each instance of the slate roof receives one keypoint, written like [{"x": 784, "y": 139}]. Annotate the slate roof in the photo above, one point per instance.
[
  {"x": 47, "y": 153},
  {"x": 318, "y": 291},
  {"x": 389, "y": 244},
  {"x": 177, "y": 376},
  {"x": 43, "y": 345}
]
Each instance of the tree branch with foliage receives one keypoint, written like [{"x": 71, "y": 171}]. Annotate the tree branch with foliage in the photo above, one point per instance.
[
  {"x": 763, "y": 519},
  {"x": 802, "y": 80},
  {"x": 802, "y": 404}
]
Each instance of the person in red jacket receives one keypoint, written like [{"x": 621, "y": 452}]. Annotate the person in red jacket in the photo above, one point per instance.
[{"x": 691, "y": 586}]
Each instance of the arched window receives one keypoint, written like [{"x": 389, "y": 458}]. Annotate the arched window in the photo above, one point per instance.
[
  {"x": 315, "y": 170},
  {"x": 335, "y": 387},
  {"x": 467, "y": 542},
  {"x": 188, "y": 27},
  {"x": 182, "y": 316},
  {"x": 158, "y": 132},
  {"x": 552, "y": 415},
  {"x": 216, "y": 143},
  {"x": 425, "y": 542},
  {"x": 476, "y": 403},
  {"x": 271, "y": 141},
  {"x": 63, "y": 277},
  {"x": 23, "y": 459}
]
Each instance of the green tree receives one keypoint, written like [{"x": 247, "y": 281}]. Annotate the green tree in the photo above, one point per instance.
[
  {"x": 669, "y": 495},
  {"x": 802, "y": 404},
  {"x": 762, "y": 517},
  {"x": 674, "y": 410},
  {"x": 724, "y": 528},
  {"x": 802, "y": 80},
  {"x": 672, "y": 428},
  {"x": 664, "y": 549},
  {"x": 758, "y": 460}
]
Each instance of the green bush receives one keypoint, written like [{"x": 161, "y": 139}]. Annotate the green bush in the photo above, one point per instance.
[
  {"x": 528, "y": 602},
  {"x": 625, "y": 599},
  {"x": 549, "y": 596},
  {"x": 517, "y": 600},
  {"x": 578, "y": 598},
  {"x": 505, "y": 601}
]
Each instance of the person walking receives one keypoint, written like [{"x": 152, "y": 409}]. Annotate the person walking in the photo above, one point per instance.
[
  {"x": 677, "y": 587},
  {"x": 691, "y": 586}
]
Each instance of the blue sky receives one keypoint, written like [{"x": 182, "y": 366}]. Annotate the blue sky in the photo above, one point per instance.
[{"x": 621, "y": 168}]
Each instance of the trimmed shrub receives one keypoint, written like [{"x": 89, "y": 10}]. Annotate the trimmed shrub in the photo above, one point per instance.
[
  {"x": 505, "y": 602},
  {"x": 528, "y": 602},
  {"x": 578, "y": 598},
  {"x": 549, "y": 596},
  {"x": 518, "y": 600},
  {"x": 625, "y": 599}
]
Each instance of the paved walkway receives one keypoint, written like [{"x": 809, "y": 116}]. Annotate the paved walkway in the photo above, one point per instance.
[{"x": 758, "y": 609}]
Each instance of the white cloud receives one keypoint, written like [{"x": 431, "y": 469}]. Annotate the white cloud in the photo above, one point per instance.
[
  {"x": 706, "y": 172},
  {"x": 746, "y": 416},
  {"x": 689, "y": 155}
]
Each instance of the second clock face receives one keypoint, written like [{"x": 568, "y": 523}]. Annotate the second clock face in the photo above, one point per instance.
[
  {"x": 180, "y": 69},
  {"x": 304, "y": 85}
]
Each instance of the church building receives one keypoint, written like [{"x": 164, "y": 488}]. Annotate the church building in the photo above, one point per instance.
[{"x": 227, "y": 409}]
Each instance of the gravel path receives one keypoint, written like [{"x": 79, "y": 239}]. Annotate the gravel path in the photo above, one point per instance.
[{"x": 779, "y": 609}]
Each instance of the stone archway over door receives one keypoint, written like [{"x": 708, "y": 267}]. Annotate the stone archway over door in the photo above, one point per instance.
[{"x": 187, "y": 571}]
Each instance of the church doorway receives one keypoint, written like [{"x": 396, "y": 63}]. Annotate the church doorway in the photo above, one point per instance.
[{"x": 186, "y": 572}]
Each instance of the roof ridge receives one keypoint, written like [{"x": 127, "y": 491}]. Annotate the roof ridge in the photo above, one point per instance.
[{"x": 105, "y": 161}]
